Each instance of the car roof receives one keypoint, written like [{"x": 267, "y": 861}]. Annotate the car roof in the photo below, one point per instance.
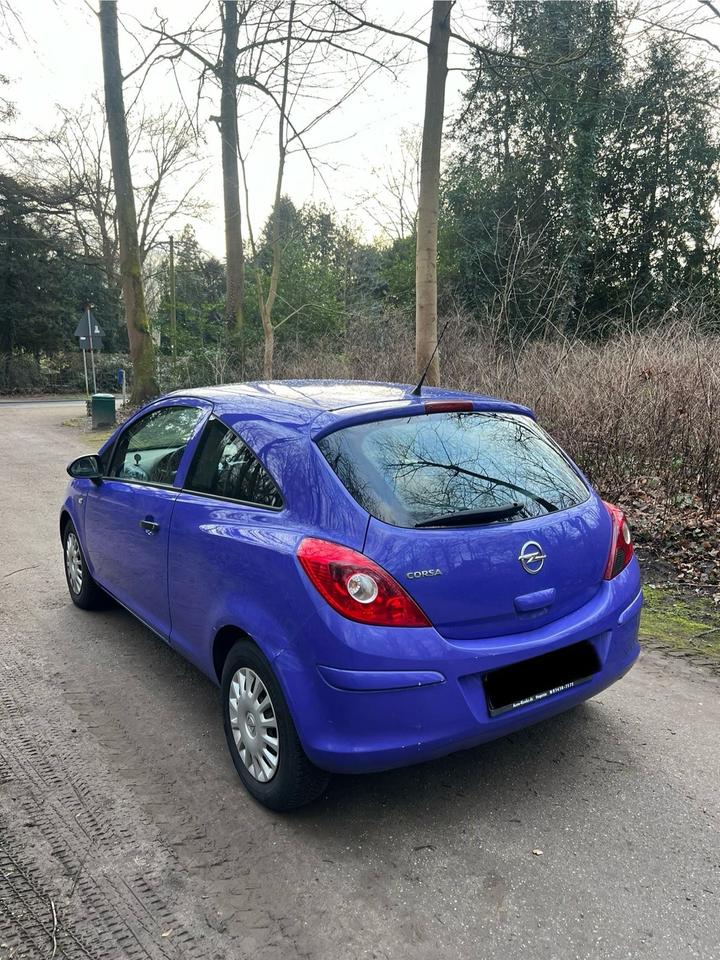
[{"x": 322, "y": 405}]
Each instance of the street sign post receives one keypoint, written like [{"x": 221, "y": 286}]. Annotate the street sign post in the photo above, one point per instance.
[{"x": 89, "y": 336}]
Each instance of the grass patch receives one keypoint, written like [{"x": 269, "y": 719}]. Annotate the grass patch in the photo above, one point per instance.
[
  {"x": 97, "y": 438},
  {"x": 681, "y": 621},
  {"x": 93, "y": 438}
]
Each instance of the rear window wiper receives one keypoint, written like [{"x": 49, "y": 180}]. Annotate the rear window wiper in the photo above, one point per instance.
[{"x": 467, "y": 517}]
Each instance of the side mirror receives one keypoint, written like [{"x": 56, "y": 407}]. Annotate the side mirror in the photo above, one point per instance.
[{"x": 85, "y": 468}]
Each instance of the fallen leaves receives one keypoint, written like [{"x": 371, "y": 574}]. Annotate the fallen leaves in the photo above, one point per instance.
[{"x": 675, "y": 537}]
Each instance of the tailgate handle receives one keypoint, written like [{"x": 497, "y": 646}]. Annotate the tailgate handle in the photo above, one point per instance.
[{"x": 528, "y": 602}]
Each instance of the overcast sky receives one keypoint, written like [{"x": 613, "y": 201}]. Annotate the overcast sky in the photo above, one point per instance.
[{"x": 56, "y": 60}]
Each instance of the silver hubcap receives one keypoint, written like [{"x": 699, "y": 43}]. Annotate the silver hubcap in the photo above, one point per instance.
[
  {"x": 254, "y": 725},
  {"x": 73, "y": 563}
]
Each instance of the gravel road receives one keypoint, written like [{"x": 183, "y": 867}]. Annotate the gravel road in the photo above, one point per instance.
[{"x": 124, "y": 832}]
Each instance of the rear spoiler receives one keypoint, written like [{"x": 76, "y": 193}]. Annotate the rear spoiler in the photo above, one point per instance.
[{"x": 330, "y": 421}]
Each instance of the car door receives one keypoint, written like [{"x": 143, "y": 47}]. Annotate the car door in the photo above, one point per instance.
[
  {"x": 127, "y": 515},
  {"x": 227, "y": 538}
]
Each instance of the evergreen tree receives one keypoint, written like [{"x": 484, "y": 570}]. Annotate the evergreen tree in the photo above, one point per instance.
[
  {"x": 44, "y": 283},
  {"x": 582, "y": 183}
]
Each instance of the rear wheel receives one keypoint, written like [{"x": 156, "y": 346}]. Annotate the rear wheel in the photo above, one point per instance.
[
  {"x": 261, "y": 735},
  {"x": 84, "y": 592}
]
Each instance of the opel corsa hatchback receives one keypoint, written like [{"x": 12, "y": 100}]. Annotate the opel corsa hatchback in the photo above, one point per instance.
[{"x": 373, "y": 578}]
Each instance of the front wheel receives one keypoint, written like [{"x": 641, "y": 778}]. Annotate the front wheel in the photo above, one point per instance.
[
  {"x": 84, "y": 592},
  {"x": 261, "y": 735}
]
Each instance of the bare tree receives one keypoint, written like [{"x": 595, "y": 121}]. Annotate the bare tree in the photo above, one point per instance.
[
  {"x": 426, "y": 355},
  {"x": 234, "y": 254},
  {"x": 7, "y": 108},
  {"x": 223, "y": 68},
  {"x": 277, "y": 53},
  {"x": 166, "y": 173},
  {"x": 393, "y": 204},
  {"x": 142, "y": 350},
  {"x": 437, "y": 48},
  {"x": 266, "y": 301},
  {"x": 696, "y": 23},
  {"x": 10, "y": 22},
  {"x": 309, "y": 32}
]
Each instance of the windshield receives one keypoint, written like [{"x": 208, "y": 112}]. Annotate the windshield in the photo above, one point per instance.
[{"x": 427, "y": 470}]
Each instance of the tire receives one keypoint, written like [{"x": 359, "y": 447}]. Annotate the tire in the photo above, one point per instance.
[
  {"x": 84, "y": 592},
  {"x": 261, "y": 735}
]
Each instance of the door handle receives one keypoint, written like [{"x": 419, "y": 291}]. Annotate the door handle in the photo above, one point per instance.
[{"x": 149, "y": 526}]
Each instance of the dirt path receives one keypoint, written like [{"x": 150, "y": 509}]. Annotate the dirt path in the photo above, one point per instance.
[{"x": 125, "y": 833}]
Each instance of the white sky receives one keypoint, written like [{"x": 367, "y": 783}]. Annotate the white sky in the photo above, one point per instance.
[
  {"x": 56, "y": 59},
  {"x": 58, "y": 62}
]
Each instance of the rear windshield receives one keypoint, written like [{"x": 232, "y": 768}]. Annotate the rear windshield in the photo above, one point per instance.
[{"x": 448, "y": 469}]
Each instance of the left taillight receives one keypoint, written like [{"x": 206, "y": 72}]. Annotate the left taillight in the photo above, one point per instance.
[
  {"x": 621, "y": 549},
  {"x": 356, "y": 587}
]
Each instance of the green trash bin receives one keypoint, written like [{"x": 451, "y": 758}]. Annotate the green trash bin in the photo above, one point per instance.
[{"x": 102, "y": 410}]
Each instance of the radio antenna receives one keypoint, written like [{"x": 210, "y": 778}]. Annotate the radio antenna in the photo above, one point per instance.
[{"x": 416, "y": 392}]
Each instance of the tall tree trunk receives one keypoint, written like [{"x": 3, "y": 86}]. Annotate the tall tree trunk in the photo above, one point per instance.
[
  {"x": 142, "y": 350},
  {"x": 429, "y": 203},
  {"x": 234, "y": 256}
]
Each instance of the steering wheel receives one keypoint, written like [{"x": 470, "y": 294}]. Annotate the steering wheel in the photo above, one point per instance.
[{"x": 166, "y": 468}]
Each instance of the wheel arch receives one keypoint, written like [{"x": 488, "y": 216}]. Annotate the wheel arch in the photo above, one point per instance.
[
  {"x": 223, "y": 642},
  {"x": 65, "y": 518}
]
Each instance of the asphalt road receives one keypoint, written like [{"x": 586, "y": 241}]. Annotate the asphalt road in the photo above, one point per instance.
[{"x": 125, "y": 833}]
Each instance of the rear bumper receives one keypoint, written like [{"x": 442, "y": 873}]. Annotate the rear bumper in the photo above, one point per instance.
[{"x": 387, "y": 713}]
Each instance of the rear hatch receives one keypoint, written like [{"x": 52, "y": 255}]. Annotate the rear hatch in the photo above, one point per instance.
[{"x": 478, "y": 514}]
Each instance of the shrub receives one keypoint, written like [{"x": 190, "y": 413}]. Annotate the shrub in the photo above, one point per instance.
[{"x": 639, "y": 407}]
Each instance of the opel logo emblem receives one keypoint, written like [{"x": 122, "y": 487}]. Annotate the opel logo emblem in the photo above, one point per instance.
[
  {"x": 250, "y": 723},
  {"x": 532, "y": 557}
]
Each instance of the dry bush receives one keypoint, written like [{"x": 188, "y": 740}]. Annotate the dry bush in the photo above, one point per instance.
[{"x": 639, "y": 408}]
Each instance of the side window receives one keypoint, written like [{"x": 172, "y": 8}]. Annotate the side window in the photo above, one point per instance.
[
  {"x": 151, "y": 449},
  {"x": 225, "y": 466}
]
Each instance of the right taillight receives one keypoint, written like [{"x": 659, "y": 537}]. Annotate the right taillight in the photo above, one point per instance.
[
  {"x": 621, "y": 546},
  {"x": 357, "y": 587}
]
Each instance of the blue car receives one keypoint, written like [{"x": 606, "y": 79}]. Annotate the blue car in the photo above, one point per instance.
[{"x": 372, "y": 577}]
